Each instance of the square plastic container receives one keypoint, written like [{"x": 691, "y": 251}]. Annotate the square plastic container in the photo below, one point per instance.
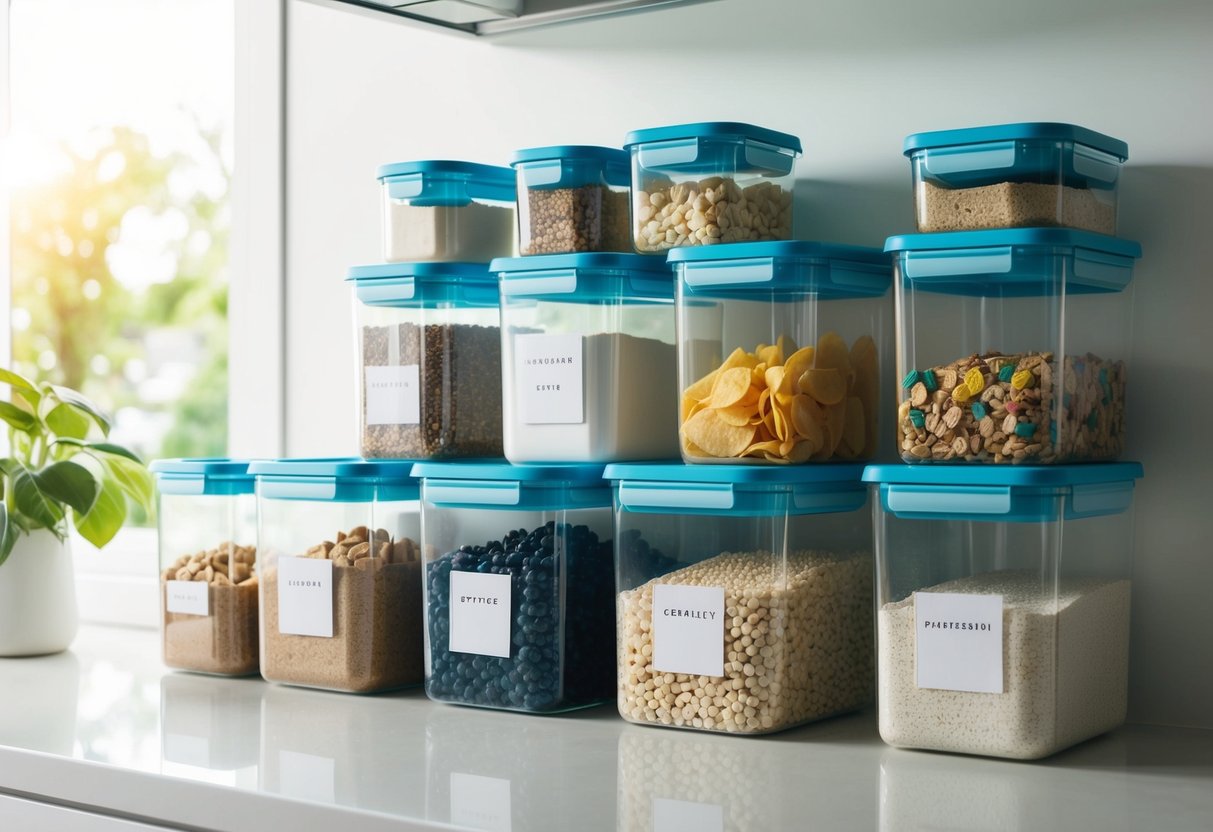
[
  {"x": 429, "y": 360},
  {"x": 1016, "y": 176},
  {"x": 811, "y": 323},
  {"x": 589, "y": 363},
  {"x": 743, "y": 595},
  {"x": 207, "y": 521},
  {"x": 518, "y": 595},
  {"x": 710, "y": 182},
  {"x": 572, "y": 198},
  {"x": 444, "y": 211},
  {"x": 1014, "y": 345},
  {"x": 341, "y": 573},
  {"x": 1002, "y": 605}
]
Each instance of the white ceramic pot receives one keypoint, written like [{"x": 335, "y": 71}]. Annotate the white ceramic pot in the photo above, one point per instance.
[{"x": 37, "y": 596}]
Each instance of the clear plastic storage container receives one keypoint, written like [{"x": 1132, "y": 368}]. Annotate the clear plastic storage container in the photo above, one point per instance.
[
  {"x": 1003, "y": 601},
  {"x": 518, "y": 593},
  {"x": 1016, "y": 176},
  {"x": 445, "y": 211},
  {"x": 341, "y": 573},
  {"x": 429, "y": 360},
  {"x": 1013, "y": 345},
  {"x": 572, "y": 198},
  {"x": 710, "y": 182},
  {"x": 744, "y": 595},
  {"x": 208, "y": 565},
  {"x": 783, "y": 350},
  {"x": 589, "y": 363}
]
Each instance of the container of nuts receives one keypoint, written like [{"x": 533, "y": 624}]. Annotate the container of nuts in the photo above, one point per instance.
[
  {"x": 340, "y": 573},
  {"x": 1014, "y": 345},
  {"x": 208, "y": 565},
  {"x": 572, "y": 198},
  {"x": 710, "y": 182},
  {"x": 743, "y": 595},
  {"x": 429, "y": 360}
]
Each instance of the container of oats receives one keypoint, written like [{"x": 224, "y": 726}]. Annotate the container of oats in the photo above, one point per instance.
[
  {"x": 1014, "y": 345},
  {"x": 743, "y": 595},
  {"x": 446, "y": 211},
  {"x": 1002, "y": 598},
  {"x": 429, "y": 360},
  {"x": 572, "y": 198},
  {"x": 783, "y": 350},
  {"x": 208, "y": 565},
  {"x": 340, "y": 573},
  {"x": 1016, "y": 176},
  {"x": 710, "y": 182}
]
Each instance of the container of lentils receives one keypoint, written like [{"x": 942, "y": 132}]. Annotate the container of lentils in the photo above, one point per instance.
[
  {"x": 572, "y": 198},
  {"x": 518, "y": 591},
  {"x": 341, "y": 573},
  {"x": 744, "y": 595},
  {"x": 1003, "y": 599},
  {"x": 446, "y": 211},
  {"x": 429, "y": 360},
  {"x": 589, "y": 363},
  {"x": 1014, "y": 345},
  {"x": 1015, "y": 176},
  {"x": 710, "y": 182},
  {"x": 207, "y": 523}
]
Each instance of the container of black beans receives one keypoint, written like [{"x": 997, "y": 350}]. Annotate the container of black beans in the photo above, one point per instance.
[{"x": 519, "y": 585}]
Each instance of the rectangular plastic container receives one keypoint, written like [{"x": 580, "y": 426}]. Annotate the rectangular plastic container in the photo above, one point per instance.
[
  {"x": 341, "y": 573},
  {"x": 811, "y": 325},
  {"x": 444, "y": 211},
  {"x": 1016, "y": 176},
  {"x": 589, "y": 362},
  {"x": 710, "y": 182},
  {"x": 1003, "y": 601},
  {"x": 518, "y": 594},
  {"x": 207, "y": 521},
  {"x": 1014, "y": 345},
  {"x": 572, "y": 198},
  {"x": 429, "y": 360},
  {"x": 743, "y": 595}
]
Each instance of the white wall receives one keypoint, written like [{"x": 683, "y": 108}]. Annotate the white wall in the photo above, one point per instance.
[{"x": 852, "y": 78}]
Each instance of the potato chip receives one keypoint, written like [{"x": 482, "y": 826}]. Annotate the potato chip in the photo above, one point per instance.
[
  {"x": 771, "y": 355},
  {"x": 832, "y": 353},
  {"x": 758, "y": 374},
  {"x": 768, "y": 446},
  {"x": 866, "y": 362},
  {"x": 739, "y": 358},
  {"x": 691, "y": 406},
  {"x": 738, "y": 414},
  {"x": 794, "y": 368},
  {"x": 802, "y": 451},
  {"x": 809, "y": 420},
  {"x": 716, "y": 437},
  {"x": 774, "y": 377},
  {"x": 826, "y": 386},
  {"x": 782, "y": 419},
  {"x": 702, "y": 388},
  {"x": 854, "y": 433},
  {"x": 835, "y": 417},
  {"x": 691, "y": 449},
  {"x": 731, "y": 387},
  {"x": 786, "y": 345}
]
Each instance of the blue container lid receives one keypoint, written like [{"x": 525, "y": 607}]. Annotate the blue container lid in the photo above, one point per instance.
[
  {"x": 336, "y": 479},
  {"x": 501, "y": 486},
  {"x": 779, "y": 249},
  {"x": 579, "y": 152},
  {"x": 347, "y": 467},
  {"x": 1040, "y": 130},
  {"x": 504, "y": 471},
  {"x": 589, "y": 277},
  {"x": 474, "y": 170},
  {"x": 795, "y": 267},
  {"x": 203, "y": 475},
  {"x": 1025, "y": 476},
  {"x": 413, "y": 285},
  {"x": 572, "y": 166},
  {"x": 1056, "y": 237},
  {"x": 713, "y": 130},
  {"x": 432, "y": 183}
]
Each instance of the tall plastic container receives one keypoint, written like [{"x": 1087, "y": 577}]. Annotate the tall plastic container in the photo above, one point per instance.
[{"x": 572, "y": 198}]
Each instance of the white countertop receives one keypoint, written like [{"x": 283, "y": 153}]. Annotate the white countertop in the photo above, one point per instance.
[{"x": 105, "y": 726}]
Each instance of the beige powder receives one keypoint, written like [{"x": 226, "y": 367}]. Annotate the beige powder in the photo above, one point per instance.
[
  {"x": 223, "y": 642},
  {"x": 1014, "y": 205}
]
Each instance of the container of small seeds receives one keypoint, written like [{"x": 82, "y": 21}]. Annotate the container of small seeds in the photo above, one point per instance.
[
  {"x": 572, "y": 198},
  {"x": 1002, "y": 599},
  {"x": 744, "y": 595},
  {"x": 518, "y": 590},
  {"x": 429, "y": 360},
  {"x": 1014, "y": 345}
]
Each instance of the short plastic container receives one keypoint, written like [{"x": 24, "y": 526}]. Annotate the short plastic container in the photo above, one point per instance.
[
  {"x": 444, "y": 211},
  {"x": 1014, "y": 345},
  {"x": 518, "y": 594},
  {"x": 589, "y": 362},
  {"x": 1016, "y": 176},
  {"x": 710, "y": 182},
  {"x": 1003, "y": 601},
  {"x": 572, "y": 198},
  {"x": 743, "y": 595},
  {"x": 429, "y": 360},
  {"x": 208, "y": 565},
  {"x": 341, "y": 573},
  {"x": 811, "y": 325}
]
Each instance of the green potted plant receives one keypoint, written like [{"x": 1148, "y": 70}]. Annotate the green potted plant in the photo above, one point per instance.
[{"x": 56, "y": 474}]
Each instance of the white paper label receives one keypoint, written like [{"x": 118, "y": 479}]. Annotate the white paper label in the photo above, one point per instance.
[
  {"x": 189, "y": 597},
  {"x": 480, "y": 802},
  {"x": 685, "y": 816},
  {"x": 307, "y": 776},
  {"x": 688, "y": 629},
  {"x": 305, "y": 597},
  {"x": 480, "y": 614},
  {"x": 393, "y": 395},
  {"x": 549, "y": 379},
  {"x": 958, "y": 641}
]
